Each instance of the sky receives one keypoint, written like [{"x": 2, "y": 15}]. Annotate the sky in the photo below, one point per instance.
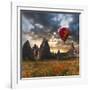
[{"x": 36, "y": 25}]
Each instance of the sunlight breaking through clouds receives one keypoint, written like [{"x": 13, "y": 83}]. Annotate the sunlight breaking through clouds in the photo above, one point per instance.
[
  {"x": 36, "y": 25},
  {"x": 27, "y": 25},
  {"x": 63, "y": 19}
]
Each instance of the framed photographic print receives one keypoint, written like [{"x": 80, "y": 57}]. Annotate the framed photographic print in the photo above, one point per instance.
[{"x": 47, "y": 44}]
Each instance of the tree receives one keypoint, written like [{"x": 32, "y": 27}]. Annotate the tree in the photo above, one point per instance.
[
  {"x": 58, "y": 54},
  {"x": 35, "y": 50}
]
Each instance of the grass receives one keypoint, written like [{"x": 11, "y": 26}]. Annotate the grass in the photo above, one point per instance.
[{"x": 49, "y": 68}]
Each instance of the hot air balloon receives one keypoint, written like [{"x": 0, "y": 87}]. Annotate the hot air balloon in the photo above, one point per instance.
[{"x": 64, "y": 32}]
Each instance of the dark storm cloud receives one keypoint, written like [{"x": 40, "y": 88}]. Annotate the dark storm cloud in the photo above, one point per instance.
[
  {"x": 39, "y": 17},
  {"x": 74, "y": 26},
  {"x": 41, "y": 22}
]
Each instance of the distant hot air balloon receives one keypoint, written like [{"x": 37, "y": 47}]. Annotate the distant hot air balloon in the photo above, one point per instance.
[{"x": 64, "y": 32}]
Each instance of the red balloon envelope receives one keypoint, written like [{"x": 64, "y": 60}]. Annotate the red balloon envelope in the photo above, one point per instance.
[{"x": 64, "y": 32}]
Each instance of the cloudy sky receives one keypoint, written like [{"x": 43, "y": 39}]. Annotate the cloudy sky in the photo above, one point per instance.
[{"x": 36, "y": 25}]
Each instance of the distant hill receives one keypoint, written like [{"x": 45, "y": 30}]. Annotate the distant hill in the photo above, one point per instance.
[{"x": 27, "y": 51}]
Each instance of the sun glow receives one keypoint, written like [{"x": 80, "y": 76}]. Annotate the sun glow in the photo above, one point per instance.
[{"x": 62, "y": 50}]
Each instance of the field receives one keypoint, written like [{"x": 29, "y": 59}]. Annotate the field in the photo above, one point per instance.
[{"x": 49, "y": 68}]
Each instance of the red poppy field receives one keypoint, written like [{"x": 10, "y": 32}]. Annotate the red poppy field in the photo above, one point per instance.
[{"x": 49, "y": 68}]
